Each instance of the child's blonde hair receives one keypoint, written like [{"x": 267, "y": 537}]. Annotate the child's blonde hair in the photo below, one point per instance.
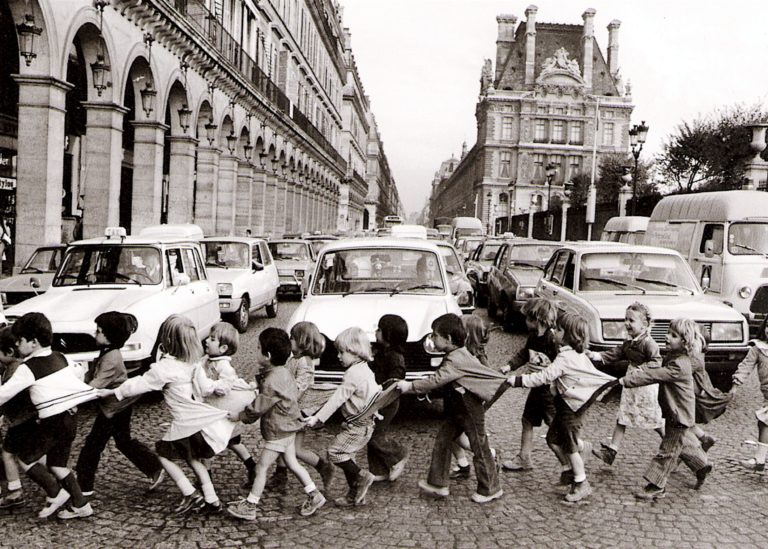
[
  {"x": 688, "y": 332},
  {"x": 227, "y": 335},
  {"x": 179, "y": 339},
  {"x": 575, "y": 330},
  {"x": 353, "y": 340},
  {"x": 477, "y": 334},
  {"x": 644, "y": 311},
  {"x": 541, "y": 310},
  {"x": 308, "y": 339}
]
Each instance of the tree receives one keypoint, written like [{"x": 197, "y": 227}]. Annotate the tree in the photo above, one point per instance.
[
  {"x": 711, "y": 153},
  {"x": 609, "y": 180}
]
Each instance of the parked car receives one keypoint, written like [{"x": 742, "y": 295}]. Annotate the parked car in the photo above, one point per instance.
[
  {"x": 245, "y": 277},
  {"x": 513, "y": 276},
  {"x": 468, "y": 244},
  {"x": 35, "y": 276},
  {"x": 320, "y": 240},
  {"x": 295, "y": 260},
  {"x": 628, "y": 229},
  {"x": 478, "y": 265},
  {"x": 599, "y": 280},
  {"x": 358, "y": 280},
  {"x": 146, "y": 276},
  {"x": 457, "y": 277}
]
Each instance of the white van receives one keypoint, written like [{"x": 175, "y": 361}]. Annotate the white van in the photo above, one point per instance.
[
  {"x": 724, "y": 237},
  {"x": 628, "y": 229},
  {"x": 465, "y": 226}
]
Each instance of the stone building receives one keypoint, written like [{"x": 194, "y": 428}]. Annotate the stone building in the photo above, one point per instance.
[
  {"x": 552, "y": 100},
  {"x": 224, "y": 113},
  {"x": 382, "y": 198}
]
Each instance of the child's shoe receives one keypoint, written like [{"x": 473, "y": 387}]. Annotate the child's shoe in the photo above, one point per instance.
[
  {"x": 479, "y": 498},
  {"x": 707, "y": 441},
  {"x": 327, "y": 471},
  {"x": 701, "y": 476},
  {"x": 364, "y": 481},
  {"x": 314, "y": 501},
  {"x": 434, "y": 491},
  {"x": 53, "y": 504},
  {"x": 566, "y": 478},
  {"x": 191, "y": 502},
  {"x": 518, "y": 463},
  {"x": 397, "y": 469},
  {"x": 154, "y": 480},
  {"x": 579, "y": 490},
  {"x": 651, "y": 492},
  {"x": 462, "y": 472},
  {"x": 14, "y": 498},
  {"x": 243, "y": 509},
  {"x": 605, "y": 453},
  {"x": 752, "y": 465},
  {"x": 278, "y": 481},
  {"x": 349, "y": 499},
  {"x": 76, "y": 512},
  {"x": 214, "y": 508}
]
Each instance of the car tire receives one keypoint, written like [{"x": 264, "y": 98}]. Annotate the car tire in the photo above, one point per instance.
[
  {"x": 272, "y": 308},
  {"x": 492, "y": 309},
  {"x": 242, "y": 316}
]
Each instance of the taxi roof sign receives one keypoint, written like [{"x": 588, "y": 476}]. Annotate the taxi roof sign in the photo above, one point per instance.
[{"x": 116, "y": 232}]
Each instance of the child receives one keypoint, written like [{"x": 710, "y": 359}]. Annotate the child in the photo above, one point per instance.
[
  {"x": 277, "y": 406},
  {"x": 55, "y": 390},
  {"x": 114, "y": 418},
  {"x": 539, "y": 351},
  {"x": 20, "y": 417},
  {"x": 386, "y": 457},
  {"x": 710, "y": 401},
  {"x": 307, "y": 346},
  {"x": 757, "y": 358},
  {"x": 197, "y": 431},
  {"x": 357, "y": 390},
  {"x": 221, "y": 388},
  {"x": 678, "y": 407},
  {"x": 470, "y": 385},
  {"x": 574, "y": 380},
  {"x": 638, "y": 407}
]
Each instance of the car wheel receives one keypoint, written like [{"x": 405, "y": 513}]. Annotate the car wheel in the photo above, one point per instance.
[
  {"x": 272, "y": 308},
  {"x": 242, "y": 316}
]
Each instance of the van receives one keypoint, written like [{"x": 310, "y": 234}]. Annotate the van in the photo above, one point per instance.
[
  {"x": 627, "y": 229},
  {"x": 724, "y": 237},
  {"x": 465, "y": 226}
]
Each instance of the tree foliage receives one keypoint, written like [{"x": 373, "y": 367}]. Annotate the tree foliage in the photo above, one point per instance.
[
  {"x": 609, "y": 180},
  {"x": 710, "y": 153}
]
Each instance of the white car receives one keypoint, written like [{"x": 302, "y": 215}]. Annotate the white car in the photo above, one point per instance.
[
  {"x": 35, "y": 277},
  {"x": 295, "y": 260},
  {"x": 357, "y": 281},
  {"x": 150, "y": 277},
  {"x": 245, "y": 276}
]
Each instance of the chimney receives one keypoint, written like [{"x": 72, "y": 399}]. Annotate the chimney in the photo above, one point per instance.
[
  {"x": 613, "y": 46},
  {"x": 530, "y": 44},
  {"x": 505, "y": 41},
  {"x": 347, "y": 39},
  {"x": 588, "y": 39},
  {"x": 464, "y": 150}
]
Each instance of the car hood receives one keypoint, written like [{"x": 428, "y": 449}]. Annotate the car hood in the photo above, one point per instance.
[
  {"x": 334, "y": 314},
  {"x": 527, "y": 277},
  {"x": 67, "y": 305},
  {"x": 21, "y": 283},
  {"x": 225, "y": 275},
  {"x": 664, "y": 306}
]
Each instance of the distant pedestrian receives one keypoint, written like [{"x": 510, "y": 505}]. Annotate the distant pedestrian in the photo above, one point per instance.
[
  {"x": 678, "y": 407},
  {"x": 756, "y": 359},
  {"x": 575, "y": 379},
  {"x": 638, "y": 407}
]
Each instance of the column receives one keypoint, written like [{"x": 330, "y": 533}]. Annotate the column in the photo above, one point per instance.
[
  {"x": 225, "y": 195},
  {"x": 259, "y": 199},
  {"x": 530, "y": 45},
  {"x": 207, "y": 177},
  {"x": 103, "y": 154},
  {"x": 147, "y": 174},
  {"x": 270, "y": 200},
  {"x": 280, "y": 202},
  {"x": 181, "y": 179},
  {"x": 290, "y": 195},
  {"x": 302, "y": 216},
  {"x": 40, "y": 163},
  {"x": 244, "y": 198}
]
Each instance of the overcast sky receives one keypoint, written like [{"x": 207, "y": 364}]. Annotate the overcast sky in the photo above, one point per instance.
[{"x": 420, "y": 64}]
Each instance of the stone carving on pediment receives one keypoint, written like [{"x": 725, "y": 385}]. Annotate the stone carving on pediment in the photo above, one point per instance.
[
  {"x": 560, "y": 75},
  {"x": 560, "y": 62}
]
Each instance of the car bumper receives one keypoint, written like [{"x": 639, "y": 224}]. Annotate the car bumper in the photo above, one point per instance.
[{"x": 228, "y": 304}]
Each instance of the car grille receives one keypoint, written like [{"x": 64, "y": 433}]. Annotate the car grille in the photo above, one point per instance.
[
  {"x": 759, "y": 303},
  {"x": 74, "y": 343},
  {"x": 660, "y": 328}
]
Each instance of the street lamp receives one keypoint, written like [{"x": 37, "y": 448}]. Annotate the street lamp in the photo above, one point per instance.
[
  {"x": 637, "y": 136},
  {"x": 550, "y": 170},
  {"x": 27, "y": 32}
]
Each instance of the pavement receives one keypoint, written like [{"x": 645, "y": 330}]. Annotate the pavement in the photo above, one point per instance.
[{"x": 729, "y": 511}]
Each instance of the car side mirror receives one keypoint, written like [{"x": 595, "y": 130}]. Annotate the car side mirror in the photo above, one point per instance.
[
  {"x": 709, "y": 248},
  {"x": 257, "y": 266},
  {"x": 34, "y": 282}
]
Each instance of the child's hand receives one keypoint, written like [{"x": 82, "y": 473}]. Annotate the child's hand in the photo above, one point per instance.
[
  {"x": 233, "y": 416},
  {"x": 506, "y": 369},
  {"x": 591, "y": 355},
  {"x": 404, "y": 386},
  {"x": 311, "y": 421},
  {"x": 104, "y": 393},
  {"x": 734, "y": 388}
]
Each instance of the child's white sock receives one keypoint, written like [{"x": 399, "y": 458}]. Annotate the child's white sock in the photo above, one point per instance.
[
  {"x": 761, "y": 452},
  {"x": 580, "y": 478},
  {"x": 309, "y": 488},
  {"x": 185, "y": 486},
  {"x": 14, "y": 485},
  {"x": 463, "y": 461},
  {"x": 493, "y": 453},
  {"x": 253, "y": 499},
  {"x": 209, "y": 493}
]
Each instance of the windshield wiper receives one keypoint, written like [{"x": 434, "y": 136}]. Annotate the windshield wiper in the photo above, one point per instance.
[
  {"x": 616, "y": 282},
  {"x": 745, "y": 247},
  {"x": 424, "y": 287},
  {"x": 663, "y": 283},
  {"x": 127, "y": 278},
  {"x": 525, "y": 264}
]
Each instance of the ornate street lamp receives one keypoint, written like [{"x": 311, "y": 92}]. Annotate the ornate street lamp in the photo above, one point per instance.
[
  {"x": 263, "y": 159},
  {"x": 248, "y": 150},
  {"x": 210, "y": 131},
  {"x": 184, "y": 114},
  {"x": 550, "y": 170},
  {"x": 148, "y": 95},
  {"x": 100, "y": 73},
  {"x": 231, "y": 142},
  {"x": 637, "y": 136},
  {"x": 27, "y": 32}
]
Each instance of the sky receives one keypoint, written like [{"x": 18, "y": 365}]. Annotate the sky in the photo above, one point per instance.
[{"x": 420, "y": 63}]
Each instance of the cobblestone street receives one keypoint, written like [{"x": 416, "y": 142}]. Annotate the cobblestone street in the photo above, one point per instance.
[{"x": 729, "y": 511}]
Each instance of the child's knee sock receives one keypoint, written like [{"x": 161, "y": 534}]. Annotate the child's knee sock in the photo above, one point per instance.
[
  {"x": 209, "y": 493},
  {"x": 761, "y": 452},
  {"x": 69, "y": 483},
  {"x": 351, "y": 471},
  {"x": 43, "y": 477},
  {"x": 250, "y": 464}
]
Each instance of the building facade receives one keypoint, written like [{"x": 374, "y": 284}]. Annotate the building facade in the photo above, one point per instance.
[
  {"x": 553, "y": 100},
  {"x": 224, "y": 113},
  {"x": 382, "y": 198}
]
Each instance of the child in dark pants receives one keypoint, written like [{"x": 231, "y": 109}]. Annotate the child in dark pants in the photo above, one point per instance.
[{"x": 114, "y": 418}]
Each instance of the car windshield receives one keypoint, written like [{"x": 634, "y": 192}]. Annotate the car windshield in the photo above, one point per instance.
[
  {"x": 748, "y": 239},
  {"x": 227, "y": 255},
  {"x": 489, "y": 251},
  {"x": 471, "y": 245},
  {"x": 634, "y": 272},
  {"x": 43, "y": 261},
  {"x": 379, "y": 270},
  {"x": 287, "y": 251},
  {"x": 87, "y": 265},
  {"x": 452, "y": 263},
  {"x": 534, "y": 255}
]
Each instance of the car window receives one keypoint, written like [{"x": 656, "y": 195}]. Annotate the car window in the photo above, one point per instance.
[
  {"x": 93, "y": 265},
  {"x": 452, "y": 262},
  {"x": 229, "y": 255},
  {"x": 175, "y": 265},
  {"x": 535, "y": 255},
  {"x": 265, "y": 253},
  {"x": 747, "y": 239},
  {"x": 199, "y": 262},
  {"x": 43, "y": 261},
  {"x": 282, "y": 251},
  {"x": 558, "y": 271},
  {"x": 501, "y": 258},
  {"x": 256, "y": 254},
  {"x": 488, "y": 252},
  {"x": 190, "y": 267},
  {"x": 713, "y": 232}
]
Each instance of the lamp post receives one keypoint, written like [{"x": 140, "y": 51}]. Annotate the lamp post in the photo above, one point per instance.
[
  {"x": 550, "y": 170},
  {"x": 637, "y": 136}
]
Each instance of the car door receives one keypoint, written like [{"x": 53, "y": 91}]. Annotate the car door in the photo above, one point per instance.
[
  {"x": 495, "y": 276},
  {"x": 206, "y": 299},
  {"x": 552, "y": 283},
  {"x": 270, "y": 270},
  {"x": 181, "y": 294},
  {"x": 258, "y": 279}
]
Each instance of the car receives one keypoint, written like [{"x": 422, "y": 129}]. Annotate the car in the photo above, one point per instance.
[
  {"x": 478, "y": 265},
  {"x": 320, "y": 240},
  {"x": 150, "y": 277},
  {"x": 457, "y": 277},
  {"x": 513, "y": 277},
  {"x": 245, "y": 277},
  {"x": 600, "y": 280},
  {"x": 35, "y": 276},
  {"x": 295, "y": 260},
  {"x": 468, "y": 244},
  {"x": 357, "y": 281}
]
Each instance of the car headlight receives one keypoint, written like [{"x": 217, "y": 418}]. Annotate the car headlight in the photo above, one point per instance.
[
  {"x": 726, "y": 331},
  {"x": 745, "y": 292},
  {"x": 429, "y": 345},
  {"x": 224, "y": 289},
  {"x": 614, "y": 329},
  {"x": 299, "y": 274},
  {"x": 524, "y": 293}
]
